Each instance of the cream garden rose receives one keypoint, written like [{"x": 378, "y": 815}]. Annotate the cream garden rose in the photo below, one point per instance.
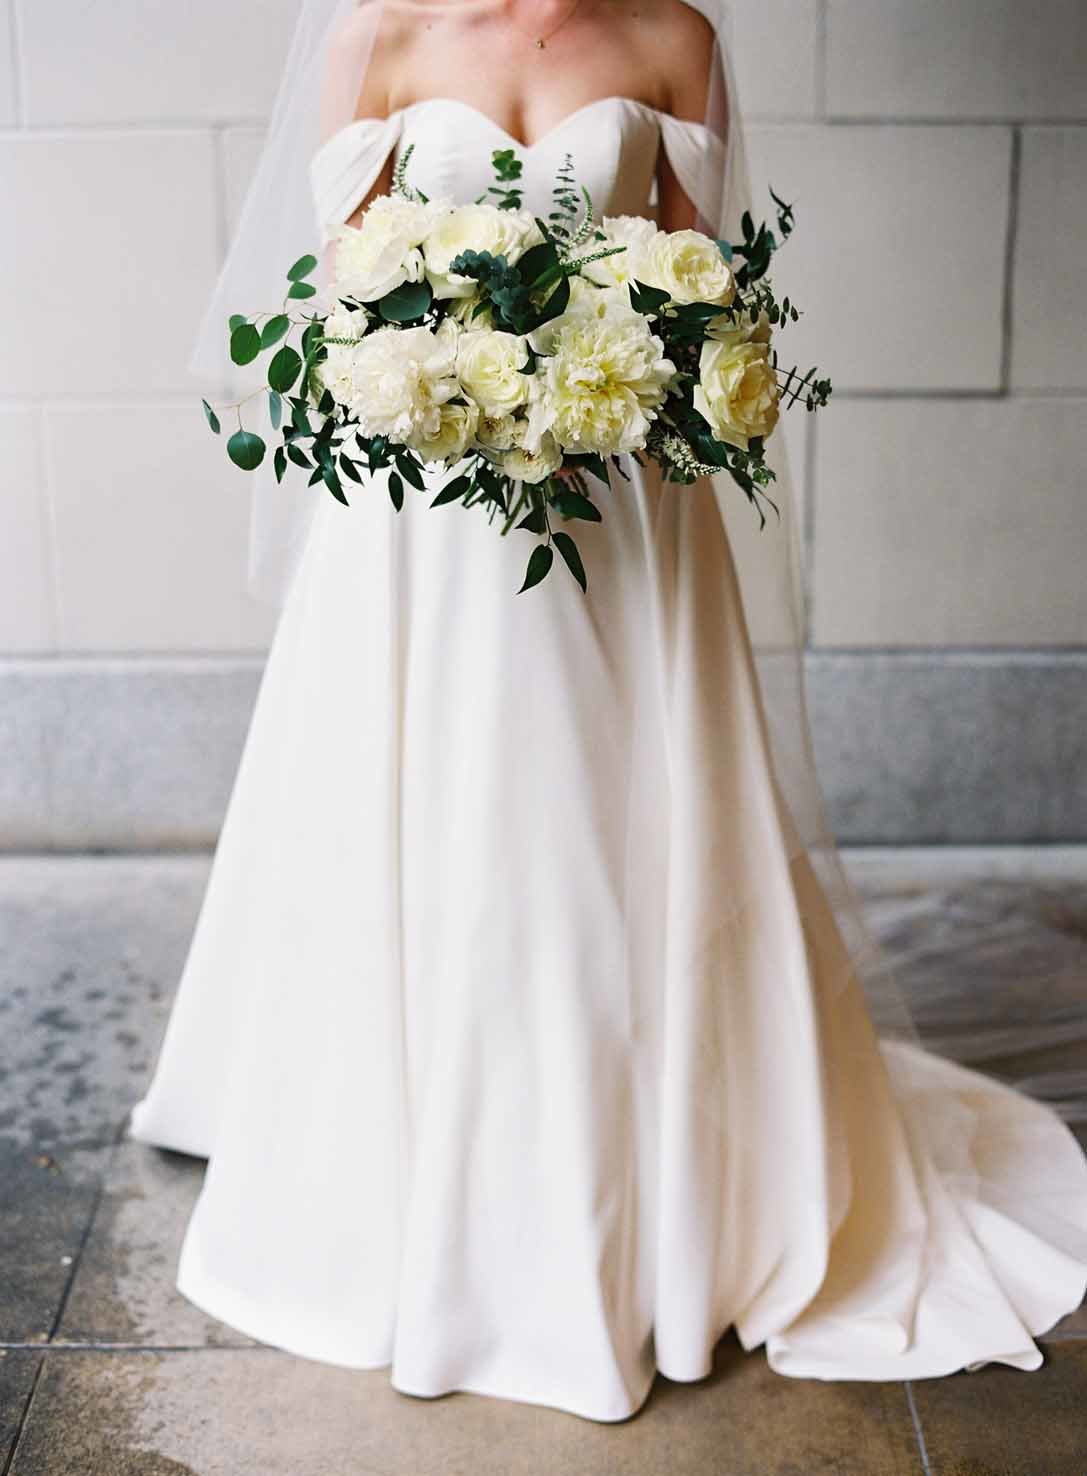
[
  {"x": 689, "y": 267},
  {"x": 455, "y": 430},
  {"x": 600, "y": 382},
  {"x": 480, "y": 227},
  {"x": 534, "y": 465},
  {"x": 737, "y": 392},
  {"x": 489, "y": 365}
]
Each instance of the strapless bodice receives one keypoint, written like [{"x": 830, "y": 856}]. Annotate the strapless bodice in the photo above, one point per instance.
[{"x": 613, "y": 143}]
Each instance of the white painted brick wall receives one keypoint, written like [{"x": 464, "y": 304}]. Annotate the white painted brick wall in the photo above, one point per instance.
[{"x": 937, "y": 154}]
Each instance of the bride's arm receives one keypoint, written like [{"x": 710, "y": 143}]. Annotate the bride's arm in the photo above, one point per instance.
[{"x": 689, "y": 47}]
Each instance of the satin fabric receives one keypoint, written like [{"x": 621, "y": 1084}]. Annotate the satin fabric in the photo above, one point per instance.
[{"x": 516, "y": 1027}]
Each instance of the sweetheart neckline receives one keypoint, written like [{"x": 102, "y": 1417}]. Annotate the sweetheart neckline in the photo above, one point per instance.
[
  {"x": 468, "y": 107},
  {"x": 595, "y": 102}
]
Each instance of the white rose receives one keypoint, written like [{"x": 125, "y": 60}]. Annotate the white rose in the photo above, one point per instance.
[
  {"x": 400, "y": 379},
  {"x": 489, "y": 365},
  {"x": 463, "y": 311},
  {"x": 635, "y": 234},
  {"x": 689, "y": 267},
  {"x": 536, "y": 465},
  {"x": 497, "y": 432},
  {"x": 505, "y": 233},
  {"x": 739, "y": 329},
  {"x": 601, "y": 382},
  {"x": 373, "y": 259},
  {"x": 456, "y": 428},
  {"x": 737, "y": 392}
]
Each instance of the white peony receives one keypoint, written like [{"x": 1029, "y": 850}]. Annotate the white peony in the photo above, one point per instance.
[
  {"x": 374, "y": 258},
  {"x": 400, "y": 380},
  {"x": 489, "y": 365},
  {"x": 635, "y": 234},
  {"x": 587, "y": 297},
  {"x": 506, "y": 233},
  {"x": 689, "y": 267},
  {"x": 737, "y": 392},
  {"x": 601, "y": 381},
  {"x": 346, "y": 323}
]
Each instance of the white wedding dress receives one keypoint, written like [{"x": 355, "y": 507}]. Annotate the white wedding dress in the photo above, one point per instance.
[{"x": 442, "y": 1033}]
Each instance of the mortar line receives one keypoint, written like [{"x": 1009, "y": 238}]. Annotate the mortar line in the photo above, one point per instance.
[
  {"x": 1011, "y": 241},
  {"x": 77, "y": 1259},
  {"x": 23, "y": 1418}
]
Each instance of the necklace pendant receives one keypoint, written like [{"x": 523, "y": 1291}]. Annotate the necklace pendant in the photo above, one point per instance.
[{"x": 540, "y": 43}]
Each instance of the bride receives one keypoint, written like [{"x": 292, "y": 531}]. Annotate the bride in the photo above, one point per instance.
[{"x": 528, "y": 1028}]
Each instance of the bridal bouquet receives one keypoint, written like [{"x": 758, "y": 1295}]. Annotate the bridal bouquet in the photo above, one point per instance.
[{"x": 518, "y": 357}]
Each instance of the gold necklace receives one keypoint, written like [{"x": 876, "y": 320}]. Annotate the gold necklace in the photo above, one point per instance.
[{"x": 541, "y": 41}]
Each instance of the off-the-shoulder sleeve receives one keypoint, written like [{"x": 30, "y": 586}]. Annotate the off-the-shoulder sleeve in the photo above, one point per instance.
[
  {"x": 697, "y": 155},
  {"x": 346, "y": 165}
]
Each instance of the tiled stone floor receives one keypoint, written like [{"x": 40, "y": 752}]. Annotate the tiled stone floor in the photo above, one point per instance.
[{"x": 105, "y": 1368}]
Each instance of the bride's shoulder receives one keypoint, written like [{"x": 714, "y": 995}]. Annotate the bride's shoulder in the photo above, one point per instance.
[{"x": 680, "y": 39}]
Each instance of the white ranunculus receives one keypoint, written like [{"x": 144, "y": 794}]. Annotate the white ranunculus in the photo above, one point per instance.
[
  {"x": 536, "y": 465},
  {"x": 481, "y": 227},
  {"x": 737, "y": 392},
  {"x": 374, "y": 258},
  {"x": 601, "y": 381},
  {"x": 635, "y": 234},
  {"x": 489, "y": 365},
  {"x": 400, "y": 379},
  {"x": 456, "y": 428},
  {"x": 689, "y": 267}
]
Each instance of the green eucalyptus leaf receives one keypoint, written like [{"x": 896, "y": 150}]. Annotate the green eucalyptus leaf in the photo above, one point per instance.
[
  {"x": 396, "y": 491},
  {"x": 327, "y": 472},
  {"x": 245, "y": 449},
  {"x": 275, "y": 329},
  {"x": 302, "y": 268},
  {"x": 568, "y": 548},
  {"x": 236, "y": 320},
  {"x": 284, "y": 369},
  {"x": 275, "y": 409},
  {"x": 409, "y": 300},
  {"x": 348, "y": 467},
  {"x": 539, "y": 563},
  {"x": 212, "y": 418},
  {"x": 298, "y": 456},
  {"x": 279, "y": 461},
  {"x": 244, "y": 344},
  {"x": 302, "y": 289}
]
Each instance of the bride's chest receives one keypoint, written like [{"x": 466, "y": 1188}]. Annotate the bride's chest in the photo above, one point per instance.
[{"x": 611, "y": 146}]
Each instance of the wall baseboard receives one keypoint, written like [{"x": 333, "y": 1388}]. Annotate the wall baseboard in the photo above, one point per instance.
[{"x": 956, "y": 748}]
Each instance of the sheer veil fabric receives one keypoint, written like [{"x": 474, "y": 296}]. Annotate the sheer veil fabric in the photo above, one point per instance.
[{"x": 897, "y": 1215}]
